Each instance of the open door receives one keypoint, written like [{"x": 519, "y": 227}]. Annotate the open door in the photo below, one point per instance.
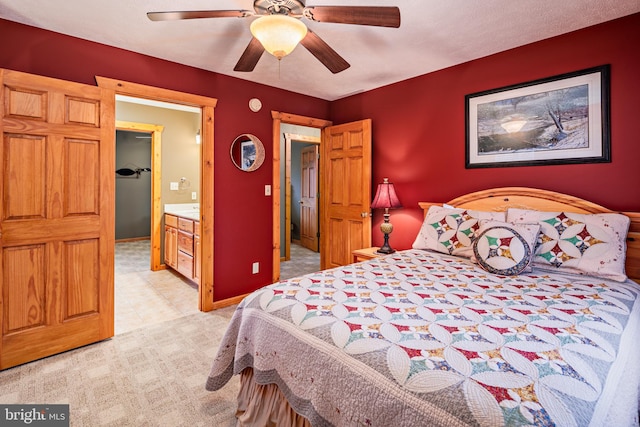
[
  {"x": 56, "y": 216},
  {"x": 309, "y": 198},
  {"x": 345, "y": 170}
]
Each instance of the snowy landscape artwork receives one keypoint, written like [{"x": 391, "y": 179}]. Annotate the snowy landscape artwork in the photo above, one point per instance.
[{"x": 563, "y": 119}]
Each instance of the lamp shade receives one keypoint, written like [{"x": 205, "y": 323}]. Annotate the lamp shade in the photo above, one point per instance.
[
  {"x": 386, "y": 196},
  {"x": 278, "y": 34}
]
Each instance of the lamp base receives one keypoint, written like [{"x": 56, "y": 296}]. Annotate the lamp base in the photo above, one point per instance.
[{"x": 386, "y": 249}]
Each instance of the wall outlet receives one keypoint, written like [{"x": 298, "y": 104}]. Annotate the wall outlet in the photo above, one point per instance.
[
  {"x": 173, "y": 186},
  {"x": 267, "y": 190},
  {"x": 255, "y": 268},
  {"x": 194, "y": 195}
]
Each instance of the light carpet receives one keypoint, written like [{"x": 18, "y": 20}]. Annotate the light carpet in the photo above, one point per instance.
[{"x": 154, "y": 376}]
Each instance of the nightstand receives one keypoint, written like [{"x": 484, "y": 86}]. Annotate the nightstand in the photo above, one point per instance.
[{"x": 365, "y": 254}]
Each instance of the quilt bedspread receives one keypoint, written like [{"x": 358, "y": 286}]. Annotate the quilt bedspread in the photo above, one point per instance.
[{"x": 419, "y": 338}]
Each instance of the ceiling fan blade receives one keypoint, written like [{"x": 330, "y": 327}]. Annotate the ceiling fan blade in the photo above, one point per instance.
[
  {"x": 324, "y": 53},
  {"x": 196, "y": 14},
  {"x": 250, "y": 56},
  {"x": 379, "y": 16}
]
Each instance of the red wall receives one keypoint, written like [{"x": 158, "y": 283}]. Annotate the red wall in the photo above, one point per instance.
[
  {"x": 419, "y": 125},
  {"x": 242, "y": 226},
  {"x": 418, "y": 129}
]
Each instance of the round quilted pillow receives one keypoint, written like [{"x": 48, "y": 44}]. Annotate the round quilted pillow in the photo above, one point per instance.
[{"x": 502, "y": 250}]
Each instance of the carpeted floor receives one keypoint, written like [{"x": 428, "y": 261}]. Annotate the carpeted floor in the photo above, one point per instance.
[{"x": 153, "y": 376}]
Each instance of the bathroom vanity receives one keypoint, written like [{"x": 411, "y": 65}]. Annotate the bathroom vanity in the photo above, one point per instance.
[{"x": 182, "y": 239}]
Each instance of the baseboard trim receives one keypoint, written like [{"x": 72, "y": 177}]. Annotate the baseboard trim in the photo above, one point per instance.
[
  {"x": 133, "y": 239},
  {"x": 227, "y": 302}
]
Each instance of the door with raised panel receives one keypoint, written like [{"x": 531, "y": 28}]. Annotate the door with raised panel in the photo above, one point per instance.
[
  {"x": 309, "y": 198},
  {"x": 345, "y": 166},
  {"x": 56, "y": 216}
]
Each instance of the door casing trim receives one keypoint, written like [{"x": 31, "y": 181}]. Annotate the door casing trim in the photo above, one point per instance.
[
  {"x": 207, "y": 106},
  {"x": 293, "y": 119},
  {"x": 156, "y": 173}
]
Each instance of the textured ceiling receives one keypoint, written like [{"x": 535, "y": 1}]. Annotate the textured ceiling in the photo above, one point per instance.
[{"x": 434, "y": 34}]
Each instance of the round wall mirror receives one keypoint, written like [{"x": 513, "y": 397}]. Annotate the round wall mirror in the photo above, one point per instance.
[{"x": 247, "y": 152}]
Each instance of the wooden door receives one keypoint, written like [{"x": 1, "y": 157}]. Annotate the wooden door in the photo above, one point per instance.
[
  {"x": 309, "y": 198},
  {"x": 56, "y": 216},
  {"x": 345, "y": 166}
]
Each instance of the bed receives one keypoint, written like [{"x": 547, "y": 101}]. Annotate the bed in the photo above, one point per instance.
[{"x": 486, "y": 321}]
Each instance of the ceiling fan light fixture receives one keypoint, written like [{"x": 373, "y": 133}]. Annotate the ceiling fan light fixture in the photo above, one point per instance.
[{"x": 278, "y": 34}]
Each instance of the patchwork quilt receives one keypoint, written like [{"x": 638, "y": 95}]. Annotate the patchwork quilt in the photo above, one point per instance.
[{"x": 422, "y": 338}]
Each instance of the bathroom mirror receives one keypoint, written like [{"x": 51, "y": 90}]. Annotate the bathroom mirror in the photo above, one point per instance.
[{"x": 247, "y": 152}]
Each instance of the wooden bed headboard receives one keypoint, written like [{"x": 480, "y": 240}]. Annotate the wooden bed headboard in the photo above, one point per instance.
[{"x": 500, "y": 199}]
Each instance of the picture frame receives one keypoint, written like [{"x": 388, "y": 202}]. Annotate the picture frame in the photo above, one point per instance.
[
  {"x": 247, "y": 154},
  {"x": 562, "y": 119}
]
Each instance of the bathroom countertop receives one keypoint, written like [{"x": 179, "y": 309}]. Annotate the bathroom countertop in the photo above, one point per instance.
[{"x": 185, "y": 210}]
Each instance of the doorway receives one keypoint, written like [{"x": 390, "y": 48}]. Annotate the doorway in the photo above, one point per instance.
[
  {"x": 301, "y": 212},
  {"x": 344, "y": 210},
  {"x": 144, "y": 297},
  {"x": 174, "y": 157},
  {"x": 301, "y": 251},
  {"x": 133, "y": 185},
  {"x": 151, "y": 160},
  {"x": 292, "y": 125},
  {"x": 206, "y": 106}
]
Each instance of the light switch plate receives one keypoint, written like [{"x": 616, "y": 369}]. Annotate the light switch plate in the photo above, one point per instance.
[
  {"x": 173, "y": 186},
  {"x": 255, "y": 268},
  {"x": 267, "y": 190}
]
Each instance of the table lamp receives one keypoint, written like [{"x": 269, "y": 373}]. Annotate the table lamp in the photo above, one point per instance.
[{"x": 386, "y": 198}]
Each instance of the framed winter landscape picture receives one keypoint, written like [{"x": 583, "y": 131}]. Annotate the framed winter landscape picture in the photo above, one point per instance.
[{"x": 557, "y": 120}]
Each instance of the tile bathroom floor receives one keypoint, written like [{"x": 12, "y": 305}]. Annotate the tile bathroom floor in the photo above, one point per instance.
[
  {"x": 303, "y": 261},
  {"x": 144, "y": 297}
]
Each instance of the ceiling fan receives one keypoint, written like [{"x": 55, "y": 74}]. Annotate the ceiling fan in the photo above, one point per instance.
[{"x": 279, "y": 28}]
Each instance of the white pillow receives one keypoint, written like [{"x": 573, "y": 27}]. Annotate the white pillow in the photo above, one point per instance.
[
  {"x": 591, "y": 244},
  {"x": 452, "y": 231}
]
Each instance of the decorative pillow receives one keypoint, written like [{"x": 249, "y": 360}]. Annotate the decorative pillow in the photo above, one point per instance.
[
  {"x": 452, "y": 231},
  {"x": 592, "y": 244},
  {"x": 504, "y": 248}
]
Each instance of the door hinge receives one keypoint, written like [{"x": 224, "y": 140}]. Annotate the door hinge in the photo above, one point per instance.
[{"x": 318, "y": 234}]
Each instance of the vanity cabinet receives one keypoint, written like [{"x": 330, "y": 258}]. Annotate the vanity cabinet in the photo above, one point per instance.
[{"x": 182, "y": 246}]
